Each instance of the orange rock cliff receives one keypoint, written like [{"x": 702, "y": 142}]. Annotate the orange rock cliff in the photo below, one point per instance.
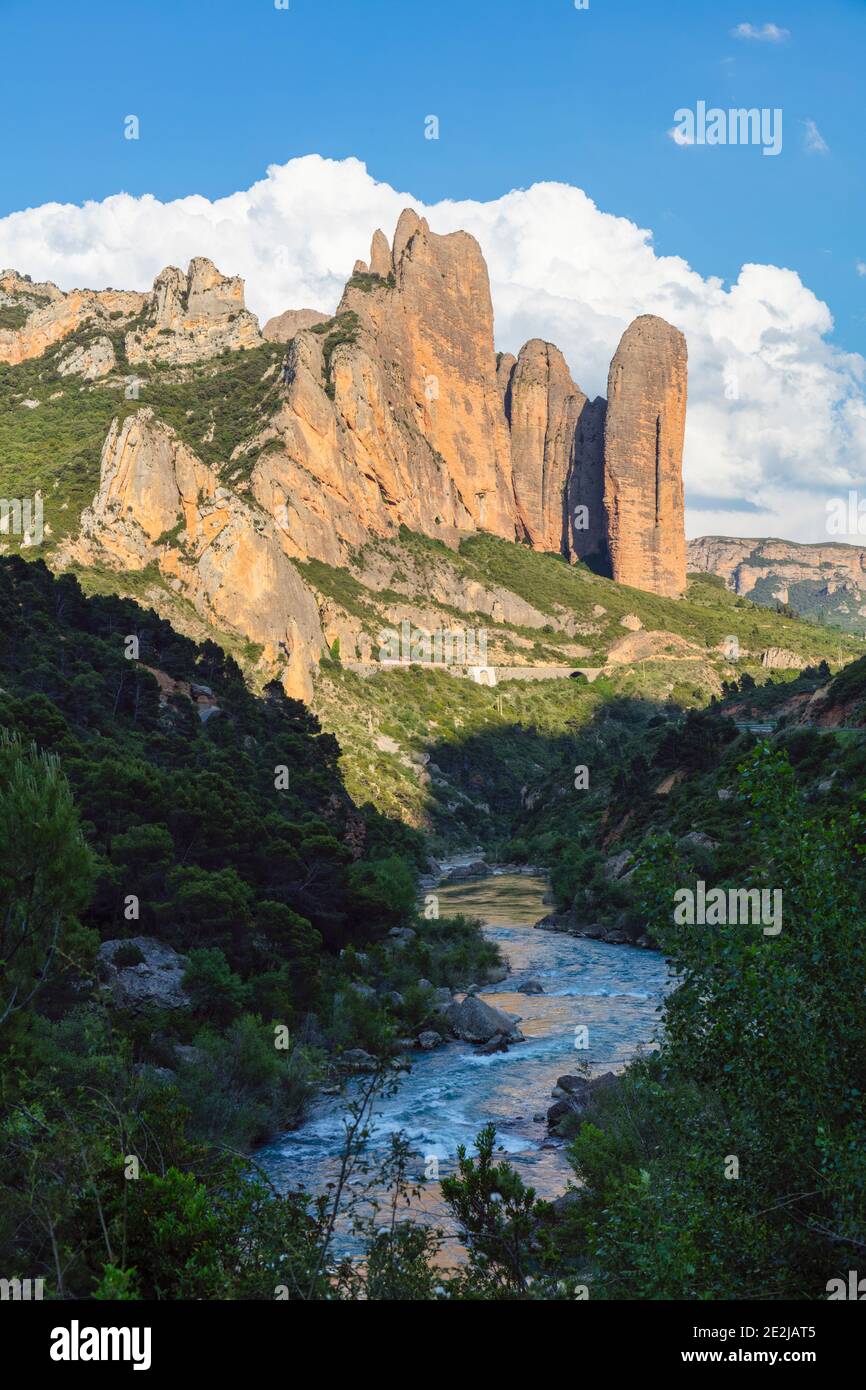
[{"x": 395, "y": 411}]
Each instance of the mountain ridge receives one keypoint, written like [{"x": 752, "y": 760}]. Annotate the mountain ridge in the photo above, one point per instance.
[{"x": 397, "y": 411}]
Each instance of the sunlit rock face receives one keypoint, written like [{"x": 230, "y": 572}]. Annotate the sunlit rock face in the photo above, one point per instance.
[
  {"x": 48, "y": 315},
  {"x": 643, "y": 450},
  {"x": 543, "y": 407},
  {"x": 394, "y": 412},
  {"x": 159, "y": 505},
  {"x": 191, "y": 317}
]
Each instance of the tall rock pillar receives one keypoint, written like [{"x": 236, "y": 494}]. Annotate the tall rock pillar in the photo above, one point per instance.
[{"x": 643, "y": 454}]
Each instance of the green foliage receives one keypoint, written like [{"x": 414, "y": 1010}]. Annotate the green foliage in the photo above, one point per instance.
[
  {"x": 241, "y": 1089},
  {"x": 46, "y": 871},
  {"x": 498, "y": 1216},
  {"x": 754, "y": 1016},
  {"x": 212, "y": 986},
  {"x": 382, "y": 890}
]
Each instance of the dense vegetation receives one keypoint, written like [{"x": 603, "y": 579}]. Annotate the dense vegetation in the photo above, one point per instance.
[
  {"x": 127, "y": 818},
  {"x": 55, "y": 446}
]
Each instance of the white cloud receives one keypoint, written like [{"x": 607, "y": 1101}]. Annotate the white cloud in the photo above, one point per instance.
[
  {"x": 813, "y": 140},
  {"x": 861, "y": 267},
  {"x": 777, "y": 413},
  {"x": 763, "y": 33}
]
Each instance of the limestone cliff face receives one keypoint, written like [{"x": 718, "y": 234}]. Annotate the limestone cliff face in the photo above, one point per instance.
[
  {"x": 185, "y": 318},
  {"x": 643, "y": 444},
  {"x": 283, "y": 327},
  {"x": 430, "y": 324},
  {"x": 159, "y": 504},
  {"x": 824, "y": 580},
  {"x": 543, "y": 407},
  {"x": 392, "y": 414},
  {"x": 188, "y": 318},
  {"x": 396, "y": 411},
  {"x": 90, "y": 361},
  {"x": 741, "y": 563},
  {"x": 49, "y": 315}
]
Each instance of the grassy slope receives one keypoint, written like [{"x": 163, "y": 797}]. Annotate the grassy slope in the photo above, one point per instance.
[
  {"x": 57, "y": 446},
  {"x": 488, "y": 744}
]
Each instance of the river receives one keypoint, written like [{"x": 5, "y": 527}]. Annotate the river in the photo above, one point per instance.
[{"x": 612, "y": 991}]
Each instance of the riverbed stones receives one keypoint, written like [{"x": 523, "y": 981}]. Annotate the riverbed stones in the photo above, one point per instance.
[
  {"x": 573, "y": 1095},
  {"x": 472, "y": 1020},
  {"x": 356, "y": 1059},
  {"x": 462, "y": 872}
]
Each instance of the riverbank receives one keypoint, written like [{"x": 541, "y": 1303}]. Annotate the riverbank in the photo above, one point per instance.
[{"x": 597, "y": 1006}]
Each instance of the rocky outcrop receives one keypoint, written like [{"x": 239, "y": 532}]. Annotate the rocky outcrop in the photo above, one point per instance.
[
  {"x": 825, "y": 579},
  {"x": 430, "y": 325},
  {"x": 283, "y": 327},
  {"x": 48, "y": 315},
  {"x": 543, "y": 407},
  {"x": 89, "y": 361},
  {"x": 185, "y": 318},
  {"x": 158, "y": 504},
  {"x": 188, "y": 318},
  {"x": 394, "y": 412},
  {"x": 391, "y": 413},
  {"x": 643, "y": 448},
  {"x": 142, "y": 973},
  {"x": 574, "y": 1096},
  {"x": 779, "y": 659}
]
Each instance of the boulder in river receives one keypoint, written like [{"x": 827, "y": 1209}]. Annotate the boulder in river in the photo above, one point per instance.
[
  {"x": 495, "y": 974},
  {"x": 472, "y": 1020},
  {"x": 461, "y": 872},
  {"x": 532, "y": 986},
  {"x": 574, "y": 1094},
  {"x": 557, "y": 921},
  {"x": 429, "y": 1039}
]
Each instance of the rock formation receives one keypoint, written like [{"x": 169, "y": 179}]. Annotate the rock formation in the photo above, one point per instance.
[
  {"x": 187, "y": 318},
  {"x": 395, "y": 412},
  {"x": 89, "y": 361},
  {"x": 827, "y": 580},
  {"x": 430, "y": 325},
  {"x": 48, "y": 315},
  {"x": 643, "y": 446},
  {"x": 159, "y": 505},
  {"x": 543, "y": 406},
  {"x": 283, "y": 327}
]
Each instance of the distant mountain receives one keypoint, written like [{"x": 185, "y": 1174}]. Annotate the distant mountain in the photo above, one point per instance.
[
  {"x": 824, "y": 582},
  {"x": 227, "y": 458}
]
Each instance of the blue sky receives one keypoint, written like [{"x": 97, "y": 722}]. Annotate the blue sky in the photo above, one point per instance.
[
  {"x": 277, "y": 140},
  {"x": 524, "y": 92}
]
